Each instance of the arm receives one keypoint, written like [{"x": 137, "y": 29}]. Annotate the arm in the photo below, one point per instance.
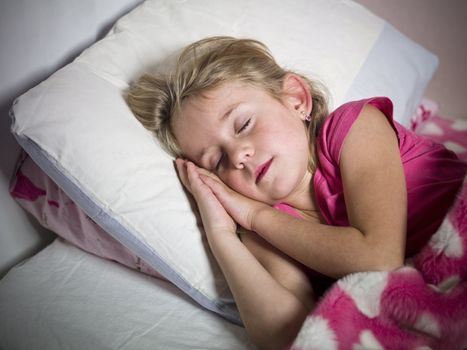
[
  {"x": 375, "y": 194},
  {"x": 272, "y": 293},
  {"x": 272, "y": 314}
]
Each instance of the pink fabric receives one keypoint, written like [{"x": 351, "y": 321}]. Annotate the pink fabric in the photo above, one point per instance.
[
  {"x": 423, "y": 304},
  {"x": 40, "y": 196},
  {"x": 450, "y": 132},
  {"x": 287, "y": 209},
  {"x": 433, "y": 173}
]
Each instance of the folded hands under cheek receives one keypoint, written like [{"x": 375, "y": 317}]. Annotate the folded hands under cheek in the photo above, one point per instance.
[
  {"x": 220, "y": 206},
  {"x": 215, "y": 219}
]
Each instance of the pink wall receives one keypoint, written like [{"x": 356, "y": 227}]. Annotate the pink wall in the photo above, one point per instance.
[{"x": 441, "y": 27}]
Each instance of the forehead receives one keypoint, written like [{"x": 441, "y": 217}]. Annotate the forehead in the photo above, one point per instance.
[
  {"x": 199, "y": 117},
  {"x": 215, "y": 99},
  {"x": 210, "y": 105}
]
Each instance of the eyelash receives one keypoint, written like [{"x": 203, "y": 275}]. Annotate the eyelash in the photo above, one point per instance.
[
  {"x": 219, "y": 162},
  {"x": 243, "y": 128}
]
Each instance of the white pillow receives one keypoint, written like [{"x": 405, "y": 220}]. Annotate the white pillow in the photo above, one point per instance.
[{"x": 78, "y": 128}]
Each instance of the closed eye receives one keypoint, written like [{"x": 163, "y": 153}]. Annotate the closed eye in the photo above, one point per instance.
[
  {"x": 221, "y": 158},
  {"x": 244, "y": 126},
  {"x": 219, "y": 162}
]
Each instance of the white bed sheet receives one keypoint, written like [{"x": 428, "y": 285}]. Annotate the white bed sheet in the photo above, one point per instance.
[{"x": 65, "y": 298}]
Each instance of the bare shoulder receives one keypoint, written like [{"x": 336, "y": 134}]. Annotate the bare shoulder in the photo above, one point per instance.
[
  {"x": 370, "y": 149},
  {"x": 371, "y": 128}
]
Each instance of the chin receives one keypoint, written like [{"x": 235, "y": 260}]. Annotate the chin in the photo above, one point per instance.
[{"x": 285, "y": 194}]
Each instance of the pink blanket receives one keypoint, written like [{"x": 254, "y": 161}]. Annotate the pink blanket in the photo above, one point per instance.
[{"x": 422, "y": 305}]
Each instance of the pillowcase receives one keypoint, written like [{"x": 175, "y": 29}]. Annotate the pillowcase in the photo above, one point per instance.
[
  {"x": 77, "y": 127},
  {"x": 49, "y": 204}
]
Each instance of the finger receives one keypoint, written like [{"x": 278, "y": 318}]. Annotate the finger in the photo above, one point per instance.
[
  {"x": 182, "y": 172},
  {"x": 214, "y": 179},
  {"x": 217, "y": 187},
  {"x": 181, "y": 168},
  {"x": 180, "y": 163},
  {"x": 193, "y": 177},
  {"x": 210, "y": 174},
  {"x": 204, "y": 171}
]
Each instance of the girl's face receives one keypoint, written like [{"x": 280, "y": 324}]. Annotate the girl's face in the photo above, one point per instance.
[{"x": 255, "y": 144}]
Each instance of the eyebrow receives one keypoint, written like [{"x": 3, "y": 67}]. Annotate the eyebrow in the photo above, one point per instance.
[{"x": 229, "y": 112}]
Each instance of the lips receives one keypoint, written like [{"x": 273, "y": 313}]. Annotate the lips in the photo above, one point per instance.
[{"x": 262, "y": 170}]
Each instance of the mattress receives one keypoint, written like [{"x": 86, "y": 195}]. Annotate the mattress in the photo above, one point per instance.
[{"x": 65, "y": 298}]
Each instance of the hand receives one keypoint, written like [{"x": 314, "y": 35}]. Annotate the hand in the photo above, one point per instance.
[
  {"x": 214, "y": 216},
  {"x": 241, "y": 208}
]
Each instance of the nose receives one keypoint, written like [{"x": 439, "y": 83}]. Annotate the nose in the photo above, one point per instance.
[{"x": 240, "y": 155}]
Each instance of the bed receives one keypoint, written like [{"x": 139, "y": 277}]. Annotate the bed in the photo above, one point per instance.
[
  {"x": 66, "y": 298},
  {"x": 131, "y": 268}
]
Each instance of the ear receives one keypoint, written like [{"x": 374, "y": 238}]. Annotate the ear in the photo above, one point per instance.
[{"x": 297, "y": 95}]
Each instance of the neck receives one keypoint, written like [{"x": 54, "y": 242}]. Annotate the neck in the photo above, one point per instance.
[{"x": 303, "y": 197}]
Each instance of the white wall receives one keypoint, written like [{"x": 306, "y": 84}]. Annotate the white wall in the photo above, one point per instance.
[{"x": 36, "y": 38}]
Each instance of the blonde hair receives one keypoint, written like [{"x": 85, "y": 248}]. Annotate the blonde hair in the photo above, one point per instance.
[{"x": 156, "y": 99}]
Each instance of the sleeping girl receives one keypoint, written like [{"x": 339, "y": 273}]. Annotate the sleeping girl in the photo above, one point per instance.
[{"x": 316, "y": 195}]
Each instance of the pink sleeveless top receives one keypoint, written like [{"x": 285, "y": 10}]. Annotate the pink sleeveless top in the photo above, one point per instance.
[{"x": 433, "y": 173}]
